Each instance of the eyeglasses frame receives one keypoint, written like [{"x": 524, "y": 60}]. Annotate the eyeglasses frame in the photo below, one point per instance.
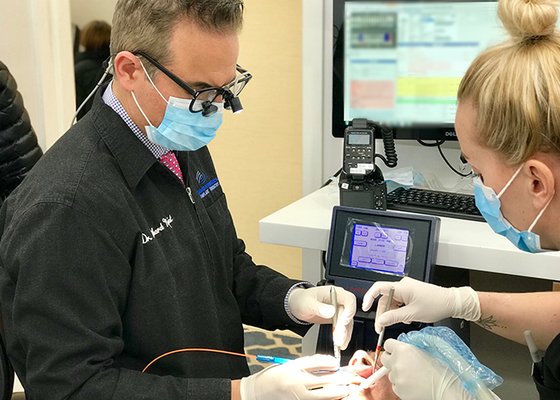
[{"x": 224, "y": 91}]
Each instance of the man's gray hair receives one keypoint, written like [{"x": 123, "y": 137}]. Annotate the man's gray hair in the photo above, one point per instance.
[{"x": 148, "y": 24}]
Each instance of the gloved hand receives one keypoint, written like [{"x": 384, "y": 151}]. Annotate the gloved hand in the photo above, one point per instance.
[
  {"x": 314, "y": 305},
  {"x": 296, "y": 380},
  {"x": 423, "y": 302},
  {"x": 415, "y": 375}
]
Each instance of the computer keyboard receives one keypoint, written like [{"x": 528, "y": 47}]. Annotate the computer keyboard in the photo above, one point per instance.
[{"x": 445, "y": 204}]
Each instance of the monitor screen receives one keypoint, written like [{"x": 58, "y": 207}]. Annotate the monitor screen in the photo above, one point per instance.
[
  {"x": 400, "y": 63},
  {"x": 379, "y": 248},
  {"x": 370, "y": 245}
]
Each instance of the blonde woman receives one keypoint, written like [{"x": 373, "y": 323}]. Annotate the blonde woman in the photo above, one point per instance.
[{"x": 508, "y": 126}]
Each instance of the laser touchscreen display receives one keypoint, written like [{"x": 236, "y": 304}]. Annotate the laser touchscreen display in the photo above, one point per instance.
[
  {"x": 367, "y": 246},
  {"x": 379, "y": 248}
]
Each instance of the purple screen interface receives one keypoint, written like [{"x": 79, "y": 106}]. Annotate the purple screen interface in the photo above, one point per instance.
[{"x": 378, "y": 248}]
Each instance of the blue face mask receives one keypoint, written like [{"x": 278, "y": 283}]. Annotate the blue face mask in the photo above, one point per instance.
[
  {"x": 488, "y": 202},
  {"x": 180, "y": 128}
]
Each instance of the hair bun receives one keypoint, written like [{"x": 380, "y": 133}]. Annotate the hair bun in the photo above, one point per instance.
[{"x": 528, "y": 19}]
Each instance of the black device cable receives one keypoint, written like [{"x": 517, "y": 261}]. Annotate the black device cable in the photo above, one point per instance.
[
  {"x": 336, "y": 32},
  {"x": 390, "y": 159},
  {"x": 449, "y": 164},
  {"x": 438, "y": 144},
  {"x": 107, "y": 67},
  {"x": 323, "y": 281},
  {"x": 435, "y": 144},
  {"x": 332, "y": 178}
]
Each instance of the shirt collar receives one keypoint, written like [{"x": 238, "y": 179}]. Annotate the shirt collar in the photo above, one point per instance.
[
  {"x": 111, "y": 100},
  {"x": 132, "y": 156}
]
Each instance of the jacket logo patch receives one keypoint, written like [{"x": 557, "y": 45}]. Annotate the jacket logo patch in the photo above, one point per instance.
[
  {"x": 163, "y": 225},
  {"x": 201, "y": 178},
  {"x": 208, "y": 188}
]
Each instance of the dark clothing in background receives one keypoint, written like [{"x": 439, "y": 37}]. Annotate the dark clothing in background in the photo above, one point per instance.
[
  {"x": 75, "y": 39},
  {"x": 19, "y": 149},
  {"x": 105, "y": 263},
  {"x": 546, "y": 374},
  {"x": 88, "y": 69}
]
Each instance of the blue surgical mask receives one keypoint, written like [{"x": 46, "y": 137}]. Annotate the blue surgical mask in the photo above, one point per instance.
[
  {"x": 488, "y": 202},
  {"x": 180, "y": 128}
]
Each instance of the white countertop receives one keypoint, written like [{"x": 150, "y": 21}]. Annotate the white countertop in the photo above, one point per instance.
[{"x": 463, "y": 244}]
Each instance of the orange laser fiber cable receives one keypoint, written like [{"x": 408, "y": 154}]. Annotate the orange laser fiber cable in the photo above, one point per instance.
[{"x": 198, "y": 350}]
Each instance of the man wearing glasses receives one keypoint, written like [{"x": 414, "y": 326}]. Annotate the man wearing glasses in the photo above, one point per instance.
[{"x": 119, "y": 246}]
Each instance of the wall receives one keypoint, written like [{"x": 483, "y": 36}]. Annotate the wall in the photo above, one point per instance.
[
  {"x": 39, "y": 57},
  {"x": 84, "y": 11},
  {"x": 258, "y": 153}
]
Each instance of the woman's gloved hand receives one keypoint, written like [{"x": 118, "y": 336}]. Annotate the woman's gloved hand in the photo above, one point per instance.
[
  {"x": 314, "y": 305},
  {"x": 423, "y": 302},
  {"x": 296, "y": 380},
  {"x": 415, "y": 375}
]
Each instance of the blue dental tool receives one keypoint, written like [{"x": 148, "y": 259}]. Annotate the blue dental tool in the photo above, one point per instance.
[{"x": 272, "y": 359}]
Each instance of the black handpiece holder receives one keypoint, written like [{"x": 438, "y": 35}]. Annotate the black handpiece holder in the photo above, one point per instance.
[
  {"x": 368, "y": 192},
  {"x": 361, "y": 182}
]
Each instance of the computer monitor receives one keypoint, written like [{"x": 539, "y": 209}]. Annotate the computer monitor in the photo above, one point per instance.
[{"x": 400, "y": 62}]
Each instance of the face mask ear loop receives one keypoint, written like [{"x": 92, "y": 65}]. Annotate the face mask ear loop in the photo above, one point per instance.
[
  {"x": 152, "y": 82},
  {"x": 510, "y": 181},
  {"x": 539, "y": 215},
  {"x": 140, "y": 108}
]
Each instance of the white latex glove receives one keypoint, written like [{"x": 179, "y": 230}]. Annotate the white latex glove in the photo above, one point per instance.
[
  {"x": 314, "y": 305},
  {"x": 423, "y": 302},
  {"x": 296, "y": 380},
  {"x": 415, "y": 375}
]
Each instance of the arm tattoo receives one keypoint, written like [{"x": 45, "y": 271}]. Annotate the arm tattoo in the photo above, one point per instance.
[{"x": 489, "y": 323}]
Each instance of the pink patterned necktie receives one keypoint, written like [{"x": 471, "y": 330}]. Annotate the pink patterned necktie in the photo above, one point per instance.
[{"x": 170, "y": 161}]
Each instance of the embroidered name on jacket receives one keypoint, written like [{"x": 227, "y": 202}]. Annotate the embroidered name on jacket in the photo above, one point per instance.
[
  {"x": 205, "y": 187},
  {"x": 163, "y": 225}
]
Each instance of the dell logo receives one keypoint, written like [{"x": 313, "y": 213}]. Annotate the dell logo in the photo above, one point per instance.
[{"x": 450, "y": 134}]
